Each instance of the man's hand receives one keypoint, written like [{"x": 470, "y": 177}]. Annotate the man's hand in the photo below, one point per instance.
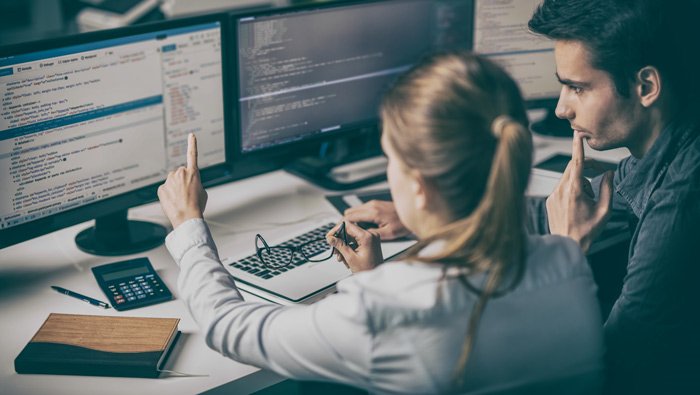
[
  {"x": 382, "y": 213},
  {"x": 182, "y": 197},
  {"x": 367, "y": 253},
  {"x": 571, "y": 209}
]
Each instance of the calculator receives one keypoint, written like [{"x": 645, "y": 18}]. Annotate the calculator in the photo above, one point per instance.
[{"x": 131, "y": 284}]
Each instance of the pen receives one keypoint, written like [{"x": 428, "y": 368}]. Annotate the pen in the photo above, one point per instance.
[
  {"x": 341, "y": 232},
  {"x": 84, "y": 298}
]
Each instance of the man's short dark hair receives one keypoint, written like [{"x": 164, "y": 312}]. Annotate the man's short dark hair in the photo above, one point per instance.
[{"x": 623, "y": 36}]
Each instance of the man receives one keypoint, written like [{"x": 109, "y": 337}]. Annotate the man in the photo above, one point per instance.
[{"x": 627, "y": 69}]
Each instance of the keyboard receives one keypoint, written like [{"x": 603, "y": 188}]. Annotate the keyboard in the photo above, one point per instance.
[{"x": 252, "y": 264}]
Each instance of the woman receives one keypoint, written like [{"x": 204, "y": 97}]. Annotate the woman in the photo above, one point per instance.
[{"x": 477, "y": 305}]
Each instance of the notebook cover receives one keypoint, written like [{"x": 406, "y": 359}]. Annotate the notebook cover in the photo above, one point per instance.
[{"x": 98, "y": 346}]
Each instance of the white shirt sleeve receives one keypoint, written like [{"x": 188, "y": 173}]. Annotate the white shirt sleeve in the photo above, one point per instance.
[{"x": 329, "y": 340}]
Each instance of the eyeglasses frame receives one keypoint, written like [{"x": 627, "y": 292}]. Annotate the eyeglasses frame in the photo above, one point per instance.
[{"x": 292, "y": 249}]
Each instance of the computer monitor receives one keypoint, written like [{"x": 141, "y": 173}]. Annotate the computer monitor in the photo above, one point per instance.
[
  {"x": 317, "y": 73},
  {"x": 90, "y": 125},
  {"x": 501, "y": 34}
]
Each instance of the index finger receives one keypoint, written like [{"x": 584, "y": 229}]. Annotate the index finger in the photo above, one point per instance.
[
  {"x": 577, "y": 156},
  {"x": 334, "y": 229},
  {"x": 366, "y": 212},
  {"x": 354, "y": 231},
  {"x": 358, "y": 214},
  {"x": 191, "y": 151}
]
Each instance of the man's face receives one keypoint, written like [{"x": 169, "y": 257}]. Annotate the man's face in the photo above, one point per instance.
[{"x": 590, "y": 102}]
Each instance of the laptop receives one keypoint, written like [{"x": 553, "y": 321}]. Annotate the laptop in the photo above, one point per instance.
[{"x": 302, "y": 281}]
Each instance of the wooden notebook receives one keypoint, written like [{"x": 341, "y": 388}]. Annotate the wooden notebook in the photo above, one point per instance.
[{"x": 99, "y": 346}]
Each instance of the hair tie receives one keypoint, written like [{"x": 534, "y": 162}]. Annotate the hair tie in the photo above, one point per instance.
[{"x": 499, "y": 124}]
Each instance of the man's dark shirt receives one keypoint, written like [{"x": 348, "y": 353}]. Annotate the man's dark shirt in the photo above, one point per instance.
[{"x": 653, "y": 330}]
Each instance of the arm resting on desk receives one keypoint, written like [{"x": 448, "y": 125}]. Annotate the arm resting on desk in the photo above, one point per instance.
[{"x": 328, "y": 340}]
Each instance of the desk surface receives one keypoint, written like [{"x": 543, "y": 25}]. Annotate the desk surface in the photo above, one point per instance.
[{"x": 273, "y": 202}]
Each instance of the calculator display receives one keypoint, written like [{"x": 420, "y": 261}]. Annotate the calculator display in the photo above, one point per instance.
[{"x": 124, "y": 273}]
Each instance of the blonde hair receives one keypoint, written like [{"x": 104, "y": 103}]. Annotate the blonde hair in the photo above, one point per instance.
[{"x": 459, "y": 120}]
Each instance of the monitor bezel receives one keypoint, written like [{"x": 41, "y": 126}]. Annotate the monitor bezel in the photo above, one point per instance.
[
  {"x": 213, "y": 175},
  {"x": 276, "y": 156}
]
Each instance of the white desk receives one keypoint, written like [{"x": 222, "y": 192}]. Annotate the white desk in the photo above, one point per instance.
[
  {"x": 28, "y": 269},
  {"x": 244, "y": 208}
]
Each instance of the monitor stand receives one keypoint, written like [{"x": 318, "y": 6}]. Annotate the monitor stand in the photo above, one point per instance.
[
  {"x": 340, "y": 177},
  {"x": 114, "y": 235},
  {"x": 551, "y": 125},
  {"x": 346, "y": 163}
]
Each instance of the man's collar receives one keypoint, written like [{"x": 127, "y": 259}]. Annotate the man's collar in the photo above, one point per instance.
[{"x": 636, "y": 188}]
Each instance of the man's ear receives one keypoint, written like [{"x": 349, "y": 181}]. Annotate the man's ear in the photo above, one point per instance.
[{"x": 648, "y": 85}]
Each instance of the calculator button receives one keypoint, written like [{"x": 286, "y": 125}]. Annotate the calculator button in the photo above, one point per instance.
[
  {"x": 140, "y": 296},
  {"x": 131, "y": 298},
  {"x": 120, "y": 301}
]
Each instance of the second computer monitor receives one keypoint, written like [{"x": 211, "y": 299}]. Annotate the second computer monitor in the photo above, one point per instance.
[
  {"x": 501, "y": 34},
  {"x": 321, "y": 70}
]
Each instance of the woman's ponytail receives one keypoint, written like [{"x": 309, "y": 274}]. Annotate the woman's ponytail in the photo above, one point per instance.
[{"x": 459, "y": 120}]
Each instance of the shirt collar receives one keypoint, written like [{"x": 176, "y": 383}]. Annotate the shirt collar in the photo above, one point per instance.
[{"x": 636, "y": 188}]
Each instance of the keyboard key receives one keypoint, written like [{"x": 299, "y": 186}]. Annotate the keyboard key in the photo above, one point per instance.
[{"x": 280, "y": 260}]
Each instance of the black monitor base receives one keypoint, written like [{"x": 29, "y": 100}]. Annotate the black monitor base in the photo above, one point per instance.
[
  {"x": 324, "y": 173},
  {"x": 552, "y": 126},
  {"x": 115, "y": 235}
]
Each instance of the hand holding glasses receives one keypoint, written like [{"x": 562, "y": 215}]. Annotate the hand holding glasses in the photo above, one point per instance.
[{"x": 281, "y": 256}]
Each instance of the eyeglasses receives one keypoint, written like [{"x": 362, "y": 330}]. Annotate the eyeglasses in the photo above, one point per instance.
[{"x": 280, "y": 256}]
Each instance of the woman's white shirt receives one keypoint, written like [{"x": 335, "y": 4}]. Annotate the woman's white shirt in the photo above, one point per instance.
[{"x": 400, "y": 327}]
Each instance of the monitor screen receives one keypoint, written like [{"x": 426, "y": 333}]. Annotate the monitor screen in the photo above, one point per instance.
[
  {"x": 86, "y": 122},
  {"x": 314, "y": 71},
  {"x": 501, "y": 33}
]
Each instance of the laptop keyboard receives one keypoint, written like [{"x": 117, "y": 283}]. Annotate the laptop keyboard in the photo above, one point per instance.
[{"x": 252, "y": 264}]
